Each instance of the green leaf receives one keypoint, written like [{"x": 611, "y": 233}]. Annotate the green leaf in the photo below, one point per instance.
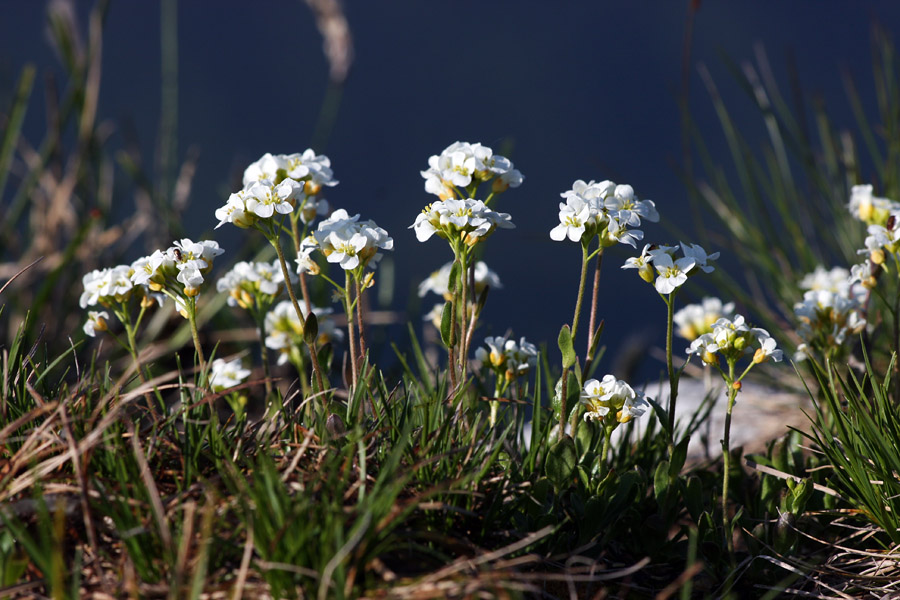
[
  {"x": 679, "y": 455},
  {"x": 800, "y": 496},
  {"x": 693, "y": 497},
  {"x": 566, "y": 347},
  {"x": 447, "y": 324},
  {"x": 584, "y": 437},
  {"x": 453, "y": 281},
  {"x": 561, "y": 461},
  {"x": 661, "y": 481},
  {"x": 311, "y": 330}
]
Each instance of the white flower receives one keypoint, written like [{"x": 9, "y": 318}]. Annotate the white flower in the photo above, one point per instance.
[
  {"x": 462, "y": 163},
  {"x": 671, "y": 274},
  {"x": 868, "y": 208},
  {"x": 611, "y": 394},
  {"x": 827, "y": 318},
  {"x": 694, "y": 320},
  {"x": 574, "y": 215},
  {"x": 235, "y": 211},
  {"x": 227, "y": 374},
  {"x": 264, "y": 198},
  {"x": 838, "y": 280},
  {"x": 248, "y": 282},
  {"x": 346, "y": 241},
  {"x": 733, "y": 338},
  {"x": 699, "y": 256},
  {"x": 96, "y": 322},
  {"x": 628, "y": 209},
  {"x": 507, "y": 357},
  {"x": 468, "y": 221},
  {"x": 266, "y": 168},
  {"x": 439, "y": 281},
  {"x": 767, "y": 349},
  {"x": 494, "y": 356},
  {"x": 285, "y": 332},
  {"x": 107, "y": 286}
]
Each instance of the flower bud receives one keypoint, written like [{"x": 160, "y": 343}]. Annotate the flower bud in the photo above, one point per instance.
[
  {"x": 311, "y": 188},
  {"x": 866, "y": 210},
  {"x": 710, "y": 358},
  {"x": 736, "y": 386},
  {"x": 759, "y": 356},
  {"x": 647, "y": 273},
  {"x": 877, "y": 256},
  {"x": 499, "y": 186}
]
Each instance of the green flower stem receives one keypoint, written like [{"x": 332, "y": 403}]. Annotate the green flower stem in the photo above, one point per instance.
[
  {"x": 581, "y": 282},
  {"x": 673, "y": 379},
  {"x": 464, "y": 314},
  {"x": 263, "y": 351},
  {"x": 487, "y": 201},
  {"x": 592, "y": 323},
  {"x": 726, "y": 454},
  {"x": 317, "y": 370},
  {"x": 359, "y": 317},
  {"x": 191, "y": 306},
  {"x": 351, "y": 336},
  {"x": 607, "y": 441},
  {"x": 563, "y": 413}
]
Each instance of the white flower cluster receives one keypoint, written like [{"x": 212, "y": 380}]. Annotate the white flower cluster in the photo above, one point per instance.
[
  {"x": 248, "y": 283},
  {"x": 658, "y": 265},
  {"x": 732, "y": 338},
  {"x": 462, "y": 163},
  {"x": 284, "y": 331},
  {"x": 278, "y": 184},
  {"x": 610, "y": 394},
  {"x": 883, "y": 239},
  {"x": 107, "y": 286},
  {"x": 868, "y": 208},
  {"x": 347, "y": 241},
  {"x": 508, "y": 357},
  {"x": 468, "y": 221},
  {"x": 180, "y": 269},
  {"x": 96, "y": 322},
  {"x": 827, "y": 318},
  {"x": 439, "y": 281},
  {"x": 227, "y": 374},
  {"x": 604, "y": 209},
  {"x": 694, "y": 320},
  {"x": 838, "y": 281}
]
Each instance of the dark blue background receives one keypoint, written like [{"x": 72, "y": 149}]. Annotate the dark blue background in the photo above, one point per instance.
[{"x": 574, "y": 89}]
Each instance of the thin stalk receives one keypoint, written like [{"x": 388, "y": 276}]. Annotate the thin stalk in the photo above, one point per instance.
[
  {"x": 607, "y": 439},
  {"x": 351, "y": 336},
  {"x": 673, "y": 383},
  {"x": 464, "y": 306},
  {"x": 195, "y": 335},
  {"x": 317, "y": 370},
  {"x": 592, "y": 324},
  {"x": 726, "y": 456},
  {"x": 359, "y": 318},
  {"x": 263, "y": 351},
  {"x": 581, "y": 282}
]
